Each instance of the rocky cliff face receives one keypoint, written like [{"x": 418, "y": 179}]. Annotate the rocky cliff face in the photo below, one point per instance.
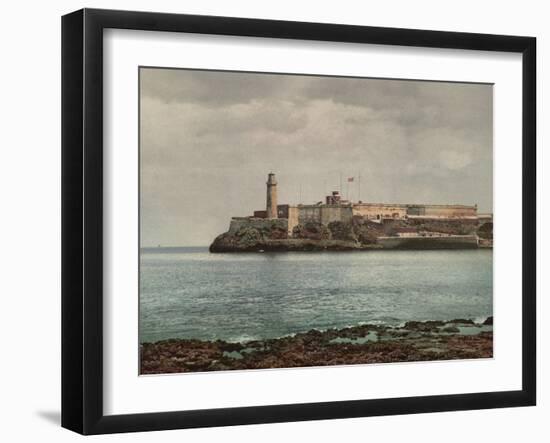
[{"x": 357, "y": 234}]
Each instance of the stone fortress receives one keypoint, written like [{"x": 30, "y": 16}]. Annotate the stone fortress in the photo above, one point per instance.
[
  {"x": 337, "y": 209},
  {"x": 337, "y": 223}
]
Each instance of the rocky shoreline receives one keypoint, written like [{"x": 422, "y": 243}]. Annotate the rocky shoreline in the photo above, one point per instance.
[
  {"x": 359, "y": 234},
  {"x": 369, "y": 343}
]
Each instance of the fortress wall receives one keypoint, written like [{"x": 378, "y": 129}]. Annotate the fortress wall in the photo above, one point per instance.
[
  {"x": 335, "y": 213},
  {"x": 374, "y": 211},
  {"x": 293, "y": 218},
  {"x": 450, "y": 210},
  {"x": 323, "y": 214},
  {"x": 309, "y": 214},
  {"x": 257, "y": 223}
]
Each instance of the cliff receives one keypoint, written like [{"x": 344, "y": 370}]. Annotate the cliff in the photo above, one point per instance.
[{"x": 254, "y": 235}]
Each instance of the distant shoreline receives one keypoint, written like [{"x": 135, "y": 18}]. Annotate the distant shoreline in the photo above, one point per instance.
[{"x": 369, "y": 343}]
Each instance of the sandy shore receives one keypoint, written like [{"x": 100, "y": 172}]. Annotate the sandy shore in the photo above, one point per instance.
[{"x": 415, "y": 341}]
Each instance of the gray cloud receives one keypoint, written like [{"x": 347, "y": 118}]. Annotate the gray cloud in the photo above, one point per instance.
[{"x": 208, "y": 139}]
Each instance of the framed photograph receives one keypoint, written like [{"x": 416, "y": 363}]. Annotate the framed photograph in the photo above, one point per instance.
[{"x": 268, "y": 221}]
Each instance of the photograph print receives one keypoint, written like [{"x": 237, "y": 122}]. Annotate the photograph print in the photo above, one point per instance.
[{"x": 303, "y": 221}]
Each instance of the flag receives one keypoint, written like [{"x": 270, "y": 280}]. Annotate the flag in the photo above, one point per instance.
[{"x": 350, "y": 179}]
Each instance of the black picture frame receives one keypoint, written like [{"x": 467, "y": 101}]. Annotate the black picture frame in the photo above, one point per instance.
[{"x": 82, "y": 220}]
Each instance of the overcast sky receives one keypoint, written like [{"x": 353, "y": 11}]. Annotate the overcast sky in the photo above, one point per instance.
[{"x": 209, "y": 139}]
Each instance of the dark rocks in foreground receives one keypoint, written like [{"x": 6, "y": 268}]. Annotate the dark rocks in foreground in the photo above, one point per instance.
[{"x": 416, "y": 341}]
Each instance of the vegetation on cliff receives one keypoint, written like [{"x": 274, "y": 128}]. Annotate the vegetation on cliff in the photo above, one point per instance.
[{"x": 359, "y": 233}]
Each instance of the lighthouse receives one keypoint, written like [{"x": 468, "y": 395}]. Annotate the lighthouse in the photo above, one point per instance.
[{"x": 271, "y": 201}]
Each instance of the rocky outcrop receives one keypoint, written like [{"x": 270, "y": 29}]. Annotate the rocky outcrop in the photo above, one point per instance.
[
  {"x": 367, "y": 231},
  {"x": 311, "y": 231},
  {"x": 342, "y": 231},
  {"x": 259, "y": 235},
  {"x": 249, "y": 237},
  {"x": 337, "y": 236},
  {"x": 415, "y": 341},
  {"x": 486, "y": 231},
  {"x": 228, "y": 243}
]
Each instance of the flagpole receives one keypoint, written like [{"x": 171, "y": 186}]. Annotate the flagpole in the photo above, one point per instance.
[{"x": 359, "y": 185}]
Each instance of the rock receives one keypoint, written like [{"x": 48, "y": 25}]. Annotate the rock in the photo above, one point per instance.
[
  {"x": 314, "y": 348},
  {"x": 248, "y": 235},
  {"x": 485, "y": 231},
  {"x": 427, "y": 326},
  {"x": 463, "y": 321},
  {"x": 311, "y": 231},
  {"x": 450, "y": 329},
  {"x": 366, "y": 231},
  {"x": 342, "y": 231},
  {"x": 278, "y": 234},
  {"x": 358, "y": 233}
]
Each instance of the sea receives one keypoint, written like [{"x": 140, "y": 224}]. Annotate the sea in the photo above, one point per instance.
[{"x": 188, "y": 292}]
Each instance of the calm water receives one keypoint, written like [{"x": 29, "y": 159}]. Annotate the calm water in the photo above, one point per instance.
[{"x": 190, "y": 293}]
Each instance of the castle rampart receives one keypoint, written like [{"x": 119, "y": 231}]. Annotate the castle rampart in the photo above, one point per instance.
[{"x": 379, "y": 210}]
